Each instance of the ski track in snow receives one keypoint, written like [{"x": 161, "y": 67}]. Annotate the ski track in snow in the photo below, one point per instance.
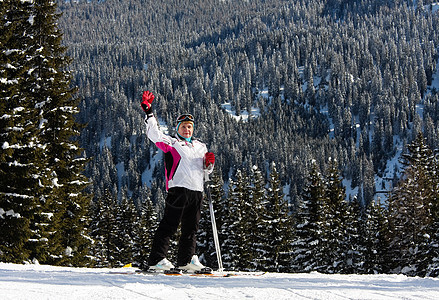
[{"x": 49, "y": 282}]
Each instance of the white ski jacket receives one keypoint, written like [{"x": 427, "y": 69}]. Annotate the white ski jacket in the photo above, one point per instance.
[{"x": 184, "y": 161}]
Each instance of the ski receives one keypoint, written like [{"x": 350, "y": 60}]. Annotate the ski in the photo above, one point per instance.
[
  {"x": 177, "y": 273},
  {"x": 218, "y": 274},
  {"x": 210, "y": 274},
  {"x": 205, "y": 271}
]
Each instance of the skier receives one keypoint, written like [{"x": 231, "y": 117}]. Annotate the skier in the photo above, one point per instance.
[{"x": 186, "y": 160}]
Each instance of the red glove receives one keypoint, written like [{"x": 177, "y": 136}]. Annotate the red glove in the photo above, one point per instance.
[
  {"x": 209, "y": 159},
  {"x": 147, "y": 98}
]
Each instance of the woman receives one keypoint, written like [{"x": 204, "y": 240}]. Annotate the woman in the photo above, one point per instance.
[{"x": 186, "y": 160}]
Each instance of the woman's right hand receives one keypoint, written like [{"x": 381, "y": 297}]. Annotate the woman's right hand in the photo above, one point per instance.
[{"x": 147, "y": 99}]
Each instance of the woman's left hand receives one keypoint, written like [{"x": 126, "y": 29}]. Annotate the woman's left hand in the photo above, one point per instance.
[{"x": 209, "y": 159}]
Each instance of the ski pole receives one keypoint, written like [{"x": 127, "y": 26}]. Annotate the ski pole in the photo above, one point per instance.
[
  {"x": 214, "y": 229},
  {"x": 215, "y": 232}
]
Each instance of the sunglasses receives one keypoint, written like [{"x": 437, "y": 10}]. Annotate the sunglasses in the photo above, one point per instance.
[{"x": 185, "y": 117}]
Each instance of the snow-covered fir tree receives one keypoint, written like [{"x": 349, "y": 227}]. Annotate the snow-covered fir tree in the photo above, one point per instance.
[
  {"x": 128, "y": 221},
  {"x": 143, "y": 234},
  {"x": 233, "y": 229},
  {"x": 104, "y": 230},
  {"x": 20, "y": 165},
  {"x": 374, "y": 239},
  {"x": 353, "y": 237},
  {"x": 333, "y": 247},
  {"x": 278, "y": 226},
  {"x": 307, "y": 238},
  {"x": 409, "y": 208},
  {"x": 51, "y": 189},
  {"x": 258, "y": 214},
  {"x": 430, "y": 262}
]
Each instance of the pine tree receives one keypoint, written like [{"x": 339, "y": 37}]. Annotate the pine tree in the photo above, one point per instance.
[
  {"x": 430, "y": 262},
  {"x": 40, "y": 158},
  {"x": 104, "y": 231},
  {"x": 354, "y": 234},
  {"x": 409, "y": 208},
  {"x": 307, "y": 238},
  {"x": 127, "y": 220},
  {"x": 234, "y": 243},
  {"x": 20, "y": 168},
  {"x": 63, "y": 166},
  {"x": 374, "y": 241},
  {"x": 257, "y": 214},
  {"x": 279, "y": 226},
  {"x": 144, "y": 233},
  {"x": 333, "y": 250}
]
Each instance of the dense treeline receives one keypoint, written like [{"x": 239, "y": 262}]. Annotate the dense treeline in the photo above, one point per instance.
[
  {"x": 338, "y": 86},
  {"x": 330, "y": 79},
  {"x": 340, "y": 79},
  {"x": 257, "y": 230}
]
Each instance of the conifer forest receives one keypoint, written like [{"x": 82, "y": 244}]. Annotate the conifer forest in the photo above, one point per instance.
[{"x": 323, "y": 116}]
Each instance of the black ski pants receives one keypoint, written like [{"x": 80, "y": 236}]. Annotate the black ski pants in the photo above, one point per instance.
[{"x": 182, "y": 206}]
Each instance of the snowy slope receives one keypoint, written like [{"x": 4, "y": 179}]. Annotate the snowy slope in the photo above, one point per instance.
[{"x": 48, "y": 282}]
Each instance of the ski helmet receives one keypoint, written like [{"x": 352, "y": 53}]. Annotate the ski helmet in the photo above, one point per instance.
[{"x": 185, "y": 118}]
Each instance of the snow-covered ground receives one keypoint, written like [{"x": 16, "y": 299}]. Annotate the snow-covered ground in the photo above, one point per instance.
[{"x": 48, "y": 282}]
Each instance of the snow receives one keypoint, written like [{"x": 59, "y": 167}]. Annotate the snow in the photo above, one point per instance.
[
  {"x": 49, "y": 282},
  {"x": 434, "y": 7},
  {"x": 105, "y": 141},
  {"x": 9, "y": 213},
  {"x": 244, "y": 114},
  {"x": 31, "y": 20}
]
